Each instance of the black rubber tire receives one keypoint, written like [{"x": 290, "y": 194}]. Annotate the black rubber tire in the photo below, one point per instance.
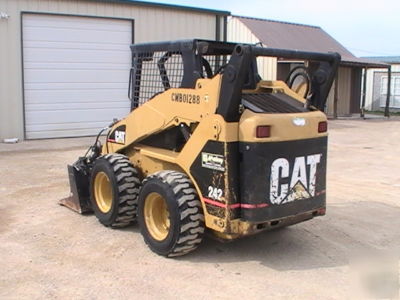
[
  {"x": 185, "y": 212},
  {"x": 125, "y": 190}
]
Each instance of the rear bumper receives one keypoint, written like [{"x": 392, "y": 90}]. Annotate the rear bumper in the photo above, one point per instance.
[
  {"x": 276, "y": 212},
  {"x": 286, "y": 221},
  {"x": 241, "y": 228}
]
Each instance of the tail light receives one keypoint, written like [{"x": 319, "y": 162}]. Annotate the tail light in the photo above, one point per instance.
[
  {"x": 263, "y": 131},
  {"x": 322, "y": 126}
]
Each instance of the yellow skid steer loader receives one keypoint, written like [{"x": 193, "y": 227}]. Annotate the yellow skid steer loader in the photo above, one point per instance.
[{"x": 210, "y": 145}]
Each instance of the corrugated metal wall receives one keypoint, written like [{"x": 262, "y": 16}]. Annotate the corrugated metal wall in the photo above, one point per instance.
[
  {"x": 329, "y": 101},
  {"x": 344, "y": 93},
  {"x": 238, "y": 32},
  {"x": 151, "y": 24}
]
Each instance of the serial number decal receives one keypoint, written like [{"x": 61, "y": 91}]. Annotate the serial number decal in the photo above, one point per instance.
[
  {"x": 185, "y": 98},
  {"x": 212, "y": 161}
]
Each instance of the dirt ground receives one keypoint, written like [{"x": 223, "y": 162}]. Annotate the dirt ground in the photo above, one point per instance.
[{"x": 48, "y": 251}]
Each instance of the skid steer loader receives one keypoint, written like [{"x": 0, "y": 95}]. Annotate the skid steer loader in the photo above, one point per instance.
[{"x": 210, "y": 145}]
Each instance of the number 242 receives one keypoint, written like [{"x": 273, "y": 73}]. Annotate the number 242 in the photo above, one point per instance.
[{"x": 214, "y": 193}]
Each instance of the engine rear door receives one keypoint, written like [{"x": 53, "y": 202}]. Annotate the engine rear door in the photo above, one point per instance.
[{"x": 281, "y": 179}]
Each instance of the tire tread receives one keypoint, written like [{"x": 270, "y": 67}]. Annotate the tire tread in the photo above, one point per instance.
[
  {"x": 128, "y": 185},
  {"x": 189, "y": 208}
]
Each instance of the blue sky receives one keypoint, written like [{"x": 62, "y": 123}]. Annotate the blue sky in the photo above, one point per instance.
[{"x": 365, "y": 27}]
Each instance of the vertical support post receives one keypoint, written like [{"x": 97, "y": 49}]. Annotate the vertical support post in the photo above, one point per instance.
[
  {"x": 225, "y": 35},
  {"x": 364, "y": 94},
  {"x": 388, "y": 92},
  {"x": 225, "y": 38},
  {"x": 217, "y": 38},
  {"x": 217, "y": 28},
  {"x": 335, "y": 96}
]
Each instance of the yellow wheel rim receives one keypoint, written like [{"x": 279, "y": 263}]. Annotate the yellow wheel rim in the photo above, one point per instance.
[
  {"x": 103, "y": 192},
  {"x": 156, "y": 216}
]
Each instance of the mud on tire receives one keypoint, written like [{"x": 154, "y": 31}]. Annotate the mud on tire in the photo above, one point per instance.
[
  {"x": 186, "y": 219},
  {"x": 124, "y": 186}
]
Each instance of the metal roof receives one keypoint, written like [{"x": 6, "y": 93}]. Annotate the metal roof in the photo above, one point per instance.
[
  {"x": 385, "y": 59},
  {"x": 278, "y": 34},
  {"x": 170, "y": 6}
]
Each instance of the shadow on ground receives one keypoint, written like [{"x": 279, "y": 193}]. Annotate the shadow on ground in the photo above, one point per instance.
[{"x": 320, "y": 243}]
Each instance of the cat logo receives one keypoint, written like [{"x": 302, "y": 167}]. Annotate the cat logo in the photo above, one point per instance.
[
  {"x": 120, "y": 137},
  {"x": 299, "y": 186}
]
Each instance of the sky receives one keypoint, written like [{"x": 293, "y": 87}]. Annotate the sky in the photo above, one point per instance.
[{"x": 364, "y": 27}]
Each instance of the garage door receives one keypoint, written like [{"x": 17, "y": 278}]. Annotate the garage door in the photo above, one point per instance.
[{"x": 76, "y": 72}]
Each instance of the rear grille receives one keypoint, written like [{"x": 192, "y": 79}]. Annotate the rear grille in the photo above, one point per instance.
[{"x": 272, "y": 103}]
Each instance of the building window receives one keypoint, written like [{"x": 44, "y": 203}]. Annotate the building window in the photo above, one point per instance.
[{"x": 394, "y": 91}]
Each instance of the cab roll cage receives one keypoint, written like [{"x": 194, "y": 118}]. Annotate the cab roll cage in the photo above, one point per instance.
[{"x": 238, "y": 64}]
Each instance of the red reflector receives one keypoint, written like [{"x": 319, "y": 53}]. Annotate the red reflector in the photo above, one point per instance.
[
  {"x": 322, "y": 126},
  {"x": 263, "y": 131}
]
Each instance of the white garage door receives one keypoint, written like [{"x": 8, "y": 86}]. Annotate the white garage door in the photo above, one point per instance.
[{"x": 76, "y": 72}]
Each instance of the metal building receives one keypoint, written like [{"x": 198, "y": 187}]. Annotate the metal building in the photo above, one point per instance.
[
  {"x": 64, "y": 64},
  {"x": 345, "y": 95}
]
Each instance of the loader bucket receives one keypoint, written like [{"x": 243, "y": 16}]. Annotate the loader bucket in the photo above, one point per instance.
[{"x": 79, "y": 198}]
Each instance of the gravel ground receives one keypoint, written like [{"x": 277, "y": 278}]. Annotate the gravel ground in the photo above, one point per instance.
[{"x": 48, "y": 251}]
